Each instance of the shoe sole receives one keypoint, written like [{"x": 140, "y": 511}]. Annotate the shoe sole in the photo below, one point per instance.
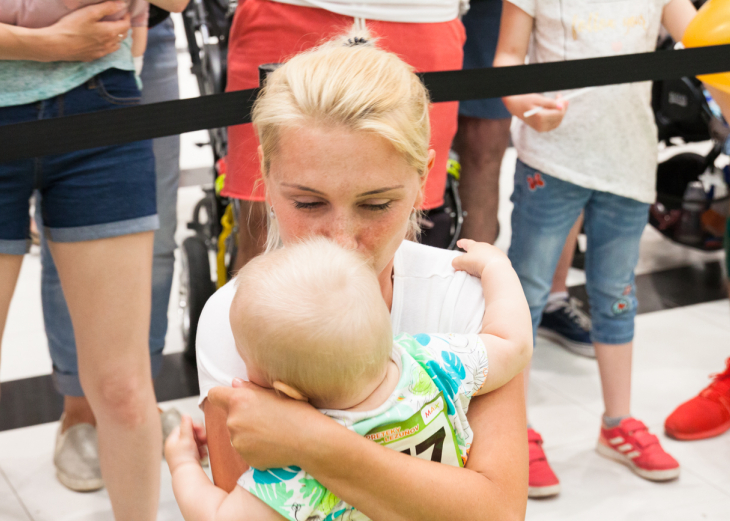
[
  {"x": 80, "y": 485},
  {"x": 651, "y": 475},
  {"x": 543, "y": 492},
  {"x": 576, "y": 348},
  {"x": 700, "y": 435}
]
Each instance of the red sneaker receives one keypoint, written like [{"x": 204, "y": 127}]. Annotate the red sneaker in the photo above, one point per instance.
[
  {"x": 706, "y": 415},
  {"x": 631, "y": 444},
  {"x": 543, "y": 481}
]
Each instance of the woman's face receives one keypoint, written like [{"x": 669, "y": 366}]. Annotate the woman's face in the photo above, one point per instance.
[{"x": 352, "y": 187}]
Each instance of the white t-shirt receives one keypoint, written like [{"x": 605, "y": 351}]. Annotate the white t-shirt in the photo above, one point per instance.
[
  {"x": 608, "y": 139},
  {"x": 428, "y": 297},
  {"x": 406, "y": 11}
]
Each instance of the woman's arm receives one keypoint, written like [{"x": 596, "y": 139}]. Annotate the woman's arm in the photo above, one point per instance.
[
  {"x": 78, "y": 36},
  {"x": 225, "y": 463},
  {"x": 268, "y": 432},
  {"x": 514, "y": 39}
]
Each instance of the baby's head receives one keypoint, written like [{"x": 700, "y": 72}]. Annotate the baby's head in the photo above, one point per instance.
[{"x": 311, "y": 316}]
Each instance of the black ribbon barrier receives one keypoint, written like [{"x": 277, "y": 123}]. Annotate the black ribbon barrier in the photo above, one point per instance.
[{"x": 110, "y": 127}]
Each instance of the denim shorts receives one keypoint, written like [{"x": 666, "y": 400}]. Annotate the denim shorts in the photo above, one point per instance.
[
  {"x": 481, "y": 23},
  {"x": 86, "y": 195},
  {"x": 545, "y": 209}
]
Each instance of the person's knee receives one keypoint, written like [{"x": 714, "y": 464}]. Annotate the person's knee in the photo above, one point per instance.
[{"x": 123, "y": 397}]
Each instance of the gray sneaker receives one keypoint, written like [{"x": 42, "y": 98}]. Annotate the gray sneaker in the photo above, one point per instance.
[
  {"x": 76, "y": 458},
  {"x": 170, "y": 419}
]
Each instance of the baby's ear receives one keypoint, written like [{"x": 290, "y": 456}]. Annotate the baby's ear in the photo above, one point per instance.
[{"x": 289, "y": 391}]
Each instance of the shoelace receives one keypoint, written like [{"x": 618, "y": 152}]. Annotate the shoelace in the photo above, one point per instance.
[
  {"x": 720, "y": 382},
  {"x": 572, "y": 308}
]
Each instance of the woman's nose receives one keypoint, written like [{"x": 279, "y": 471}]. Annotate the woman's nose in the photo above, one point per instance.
[{"x": 343, "y": 233}]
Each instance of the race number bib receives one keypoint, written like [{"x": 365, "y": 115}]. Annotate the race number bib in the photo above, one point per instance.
[{"x": 428, "y": 435}]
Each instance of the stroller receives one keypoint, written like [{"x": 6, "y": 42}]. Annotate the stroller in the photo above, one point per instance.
[
  {"x": 690, "y": 185},
  {"x": 215, "y": 217}
]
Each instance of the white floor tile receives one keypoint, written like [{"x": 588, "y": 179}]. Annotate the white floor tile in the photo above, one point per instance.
[
  {"x": 559, "y": 421},
  {"x": 597, "y": 489},
  {"x": 11, "y": 509},
  {"x": 718, "y": 313},
  {"x": 26, "y": 457}
]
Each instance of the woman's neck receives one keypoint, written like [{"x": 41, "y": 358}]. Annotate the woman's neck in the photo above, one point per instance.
[{"x": 386, "y": 284}]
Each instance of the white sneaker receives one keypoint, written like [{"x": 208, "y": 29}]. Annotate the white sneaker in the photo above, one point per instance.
[{"x": 76, "y": 457}]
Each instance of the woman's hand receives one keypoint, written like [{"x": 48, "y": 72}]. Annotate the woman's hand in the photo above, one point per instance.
[
  {"x": 82, "y": 36},
  {"x": 186, "y": 444},
  {"x": 477, "y": 257},
  {"x": 262, "y": 424},
  {"x": 549, "y": 118}
]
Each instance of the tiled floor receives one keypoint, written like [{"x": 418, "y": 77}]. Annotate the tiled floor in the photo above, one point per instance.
[{"x": 676, "y": 350}]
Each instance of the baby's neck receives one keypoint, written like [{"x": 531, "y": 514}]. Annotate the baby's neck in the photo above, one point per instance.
[{"x": 382, "y": 392}]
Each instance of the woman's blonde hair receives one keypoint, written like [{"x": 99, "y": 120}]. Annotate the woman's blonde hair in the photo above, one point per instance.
[
  {"x": 347, "y": 81},
  {"x": 311, "y": 315}
]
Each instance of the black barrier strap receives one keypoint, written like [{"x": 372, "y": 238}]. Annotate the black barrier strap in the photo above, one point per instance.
[{"x": 111, "y": 127}]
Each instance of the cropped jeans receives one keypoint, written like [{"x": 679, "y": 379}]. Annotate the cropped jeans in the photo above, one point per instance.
[
  {"x": 545, "y": 209},
  {"x": 160, "y": 83}
]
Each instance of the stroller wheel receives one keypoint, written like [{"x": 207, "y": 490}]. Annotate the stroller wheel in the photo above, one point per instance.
[{"x": 195, "y": 290}]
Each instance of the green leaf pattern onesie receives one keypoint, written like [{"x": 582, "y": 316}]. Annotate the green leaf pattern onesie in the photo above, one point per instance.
[{"x": 425, "y": 417}]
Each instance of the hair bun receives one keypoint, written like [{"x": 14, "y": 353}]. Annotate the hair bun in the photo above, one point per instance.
[{"x": 356, "y": 40}]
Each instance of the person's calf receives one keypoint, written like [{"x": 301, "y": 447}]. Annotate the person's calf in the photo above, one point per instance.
[
  {"x": 481, "y": 144},
  {"x": 77, "y": 409},
  {"x": 252, "y": 230}
]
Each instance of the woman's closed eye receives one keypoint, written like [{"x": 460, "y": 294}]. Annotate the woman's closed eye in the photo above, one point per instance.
[
  {"x": 307, "y": 205},
  {"x": 377, "y": 205}
]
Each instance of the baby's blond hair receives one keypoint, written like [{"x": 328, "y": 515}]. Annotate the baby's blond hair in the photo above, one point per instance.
[
  {"x": 344, "y": 82},
  {"x": 311, "y": 315}
]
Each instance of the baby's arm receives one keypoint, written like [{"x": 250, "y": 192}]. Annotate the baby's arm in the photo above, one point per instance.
[
  {"x": 507, "y": 325},
  {"x": 197, "y": 497}
]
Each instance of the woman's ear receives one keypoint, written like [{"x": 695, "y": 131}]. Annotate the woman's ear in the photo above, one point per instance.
[{"x": 289, "y": 391}]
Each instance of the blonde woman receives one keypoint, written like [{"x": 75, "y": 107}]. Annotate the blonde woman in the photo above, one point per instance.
[{"x": 344, "y": 134}]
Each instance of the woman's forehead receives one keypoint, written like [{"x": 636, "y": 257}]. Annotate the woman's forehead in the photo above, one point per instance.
[{"x": 323, "y": 158}]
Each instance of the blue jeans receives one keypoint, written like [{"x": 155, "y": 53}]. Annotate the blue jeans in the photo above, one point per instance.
[
  {"x": 545, "y": 209},
  {"x": 160, "y": 83}
]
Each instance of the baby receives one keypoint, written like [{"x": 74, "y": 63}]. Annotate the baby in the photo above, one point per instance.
[{"x": 310, "y": 321}]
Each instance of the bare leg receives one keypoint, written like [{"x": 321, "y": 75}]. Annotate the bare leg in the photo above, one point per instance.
[
  {"x": 251, "y": 232},
  {"x": 614, "y": 364},
  {"x": 76, "y": 410},
  {"x": 480, "y": 144},
  {"x": 107, "y": 284},
  {"x": 566, "y": 258},
  {"x": 9, "y": 270}
]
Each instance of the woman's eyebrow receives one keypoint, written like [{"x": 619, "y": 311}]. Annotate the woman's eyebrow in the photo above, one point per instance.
[
  {"x": 380, "y": 190},
  {"x": 303, "y": 188}
]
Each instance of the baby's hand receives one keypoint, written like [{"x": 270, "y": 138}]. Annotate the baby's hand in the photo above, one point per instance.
[
  {"x": 185, "y": 444},
  {"x": 477, "y": 257}
]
